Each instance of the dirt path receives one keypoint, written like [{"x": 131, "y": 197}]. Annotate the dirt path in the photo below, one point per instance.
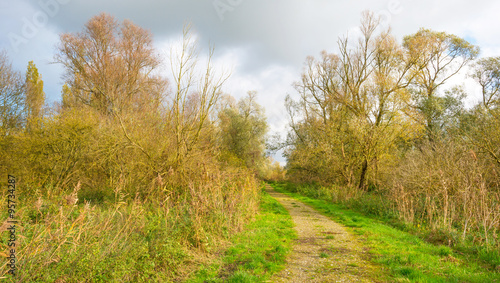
[{"x": 324, "y": 250}]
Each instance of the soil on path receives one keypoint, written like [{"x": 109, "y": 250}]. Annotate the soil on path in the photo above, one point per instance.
[{"x": 324, "y": 251}]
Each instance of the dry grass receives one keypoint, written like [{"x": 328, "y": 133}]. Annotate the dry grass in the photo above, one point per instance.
[
  {"x": 129, "y": 239},
  {"x": 449, "y": 188}
]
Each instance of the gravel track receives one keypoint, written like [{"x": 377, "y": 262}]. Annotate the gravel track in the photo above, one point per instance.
[{"x": 324, "y": 250}]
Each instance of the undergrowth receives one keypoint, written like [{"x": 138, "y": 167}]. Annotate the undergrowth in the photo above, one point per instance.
[
  {"x": 65, "y": 237},
  {"x": 409, "y": 252},
  {"x": 256, "y": 253}
]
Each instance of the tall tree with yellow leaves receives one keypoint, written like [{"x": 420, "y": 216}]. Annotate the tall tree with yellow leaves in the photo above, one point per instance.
[{"x": 35, "y": 97}]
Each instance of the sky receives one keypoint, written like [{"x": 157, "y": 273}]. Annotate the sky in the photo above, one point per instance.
[{"x": 263, "y": 42}]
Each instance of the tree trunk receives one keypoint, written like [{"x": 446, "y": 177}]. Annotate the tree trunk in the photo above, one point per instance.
[{"x": 364, "y": 169}]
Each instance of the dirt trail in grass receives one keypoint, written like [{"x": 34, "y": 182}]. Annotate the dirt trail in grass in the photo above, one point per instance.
[{"x": 324, "y": 251}]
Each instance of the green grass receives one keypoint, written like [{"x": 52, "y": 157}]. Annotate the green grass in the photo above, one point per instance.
[
  {"x": 324, "y": 255},
  {"x": 256, "y": 253},
  {"x": 407, "y": 257}
]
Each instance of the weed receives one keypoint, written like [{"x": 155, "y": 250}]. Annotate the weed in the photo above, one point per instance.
[{"x": 125, "y": 239}]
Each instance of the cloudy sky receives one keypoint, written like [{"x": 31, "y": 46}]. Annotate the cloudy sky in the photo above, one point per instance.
[{"x": 263, "y": 42}]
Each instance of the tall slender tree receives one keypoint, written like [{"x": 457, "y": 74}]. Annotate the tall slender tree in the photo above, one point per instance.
[
  {"x": 35, "y": 97},
  {"x": 195, "y": 94}
]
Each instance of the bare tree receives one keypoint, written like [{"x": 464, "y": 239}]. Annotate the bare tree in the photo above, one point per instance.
[
  {"x": 110, "y": 67},
  {"x": 11, "y": 97},
  {"x": 194, "y": 96}
]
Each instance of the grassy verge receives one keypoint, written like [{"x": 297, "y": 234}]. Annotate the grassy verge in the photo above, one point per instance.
[
  {"x": 256, "y": 253},
  {"x": 62, "y": 236},
  {"x": 407, "y": 257}
]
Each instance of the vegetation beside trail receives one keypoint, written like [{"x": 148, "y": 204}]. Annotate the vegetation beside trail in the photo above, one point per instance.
[
  {"x": 132, "y": 177},
  {"x": 257, "y": 252},
  {"x": 141, "y": 175},
  {"x": 380, "y": 127},
  {"x": 408, "y": 253}
]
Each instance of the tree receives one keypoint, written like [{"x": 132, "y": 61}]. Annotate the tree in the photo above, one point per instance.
[
  {"x": 354, "y": 105},
  {"x": 110, "y": 67},
  {"x": 11, "y": 98},
  {"x": 442, "y": 56},
  {"x": 487, "y": 74},
  {"x": 194, "y": 95},
  {"x": 35, "y": 97},
  {"x": 243, "y": 132},
  {"x": 481, "y": 126},
  {"x": 11, "y": 113}
]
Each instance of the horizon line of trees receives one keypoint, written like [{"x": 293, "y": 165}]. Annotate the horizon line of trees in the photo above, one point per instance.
[{"x": 112, "y": 79}]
